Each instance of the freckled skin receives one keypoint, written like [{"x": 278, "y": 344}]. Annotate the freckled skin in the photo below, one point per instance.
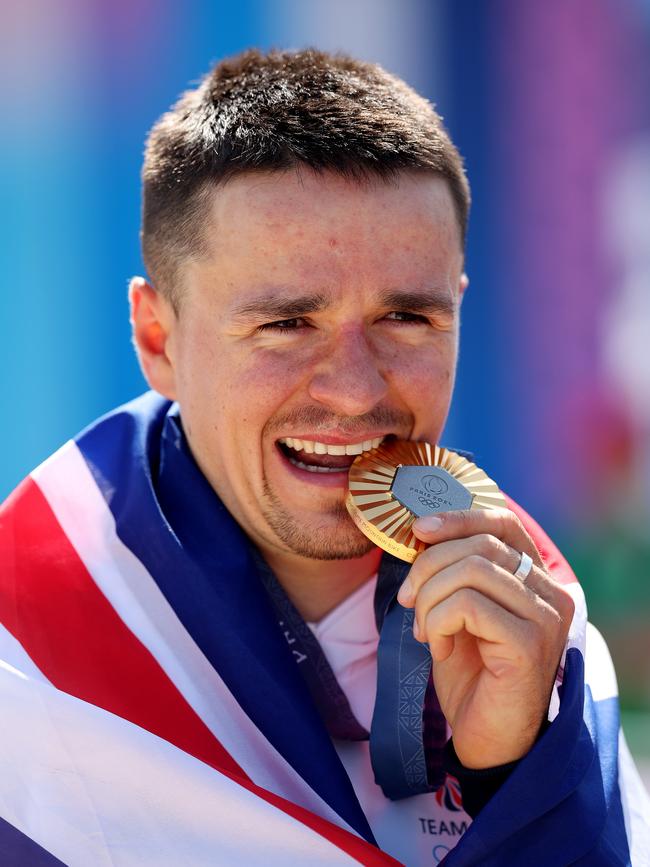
[{"x": 236, "y": 386}]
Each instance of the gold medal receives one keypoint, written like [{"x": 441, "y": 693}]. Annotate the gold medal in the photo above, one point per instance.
[{"x": 392, "y": 485}]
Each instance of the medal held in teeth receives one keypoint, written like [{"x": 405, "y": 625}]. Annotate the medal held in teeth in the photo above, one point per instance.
[{"x": 399, "y": 481}]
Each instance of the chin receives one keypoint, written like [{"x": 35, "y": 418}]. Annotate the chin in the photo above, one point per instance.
[
  {"x": 337, "y": 538},
  {"x": 324, "y": 547}
]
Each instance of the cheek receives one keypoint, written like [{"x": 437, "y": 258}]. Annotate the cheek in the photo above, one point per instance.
[
  {"x": 423, "y": 381},
  {"x": 268, "y": 371},
  {"x": 424, "y": 368},
  {"x": 203, "y": 369},
  {"x": 426, "y": 385},
  {"x": 269, "y": 375},
  {"x": 252, "y": 389}
]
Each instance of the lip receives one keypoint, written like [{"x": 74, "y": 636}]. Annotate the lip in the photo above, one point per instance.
[
  {"x": 336, "y": 439},
  {"x": 319, "y": 480}
]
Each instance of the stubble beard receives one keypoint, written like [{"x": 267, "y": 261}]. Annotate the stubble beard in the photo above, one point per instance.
[{"x": 339, "y": 540}]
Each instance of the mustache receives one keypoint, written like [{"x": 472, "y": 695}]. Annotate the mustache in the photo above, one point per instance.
[{"x": 316, "y": 418}]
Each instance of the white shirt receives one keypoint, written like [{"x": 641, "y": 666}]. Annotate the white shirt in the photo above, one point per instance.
[{"x": 418, "y": 831}]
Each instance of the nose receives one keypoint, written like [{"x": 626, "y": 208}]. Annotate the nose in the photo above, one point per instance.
[{"x": 348, "y": 380}]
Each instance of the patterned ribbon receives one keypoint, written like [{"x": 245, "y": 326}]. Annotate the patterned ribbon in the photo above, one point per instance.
[{"x": 408, "y": 731}]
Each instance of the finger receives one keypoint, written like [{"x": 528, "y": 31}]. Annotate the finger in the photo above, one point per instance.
[
  {"x": 502, "y": 523},
  {"x": 439, "y": 556},
  {"x": 508, "y": 635},
  {"x": 494, "y": 583}
]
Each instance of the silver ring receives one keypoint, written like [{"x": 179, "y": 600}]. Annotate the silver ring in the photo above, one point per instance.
[{"x": 523, "y": 567}]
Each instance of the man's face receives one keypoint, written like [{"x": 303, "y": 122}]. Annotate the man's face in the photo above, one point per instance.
[{"x": 323, "y": 319}]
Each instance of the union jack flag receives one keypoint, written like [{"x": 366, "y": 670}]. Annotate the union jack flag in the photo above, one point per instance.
[{"x": 149, "y": 715}]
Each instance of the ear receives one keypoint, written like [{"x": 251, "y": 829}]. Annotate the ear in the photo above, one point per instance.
[
  {"x": 152, "y": 322},
  {"x": 463, "y": 284}
]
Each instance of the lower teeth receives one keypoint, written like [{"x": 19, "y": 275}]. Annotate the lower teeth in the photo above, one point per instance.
[{"x": 313, "y": 469}]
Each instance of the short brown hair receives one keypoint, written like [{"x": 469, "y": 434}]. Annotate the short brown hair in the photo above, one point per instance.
[{"x": 275, "y": 111}]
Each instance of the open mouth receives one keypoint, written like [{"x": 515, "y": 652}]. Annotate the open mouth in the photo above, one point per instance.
[{"x": 317, "y": 457}]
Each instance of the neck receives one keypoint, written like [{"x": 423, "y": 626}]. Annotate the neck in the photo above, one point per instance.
[{"x": 317, "y": 586}]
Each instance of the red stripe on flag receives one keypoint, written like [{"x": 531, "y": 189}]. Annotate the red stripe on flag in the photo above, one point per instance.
[
  {"x": 52, "y": 606},
  {"x": 553, "y": 559},
  {"x": 73, "y": 635}
]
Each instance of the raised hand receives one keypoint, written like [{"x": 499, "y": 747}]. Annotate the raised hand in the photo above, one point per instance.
[{"x": 496, "y": 640}]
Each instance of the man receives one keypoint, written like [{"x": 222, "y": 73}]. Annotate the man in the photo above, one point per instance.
[{"x": 191, "y": 617}]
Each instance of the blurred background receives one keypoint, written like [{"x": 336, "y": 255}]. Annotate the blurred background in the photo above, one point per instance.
[{"x": 550, "y": 105}]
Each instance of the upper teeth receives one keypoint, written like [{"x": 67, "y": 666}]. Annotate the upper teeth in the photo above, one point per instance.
[{"x": 312, "y": 447}]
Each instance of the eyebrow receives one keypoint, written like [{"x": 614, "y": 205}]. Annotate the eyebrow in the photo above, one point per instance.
[
  {"x": 426, "y": 301},
  {"x": 277, "y": 306},
  {"x": 274, "y": 306}
]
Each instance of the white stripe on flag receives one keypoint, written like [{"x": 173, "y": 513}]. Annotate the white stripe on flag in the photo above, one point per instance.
[
  {"x": 94, "y": 789},
  {"x": 599, "y": 668},
  {"x": 636, "y": 806},
  {"x": 576, "y": 638},
  {"x": 12, "y": 653},
  {"x": 79, "y": 507}
]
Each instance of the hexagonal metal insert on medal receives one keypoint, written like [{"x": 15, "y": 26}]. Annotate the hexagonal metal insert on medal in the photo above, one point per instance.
[{"x": 427, "y": 490}]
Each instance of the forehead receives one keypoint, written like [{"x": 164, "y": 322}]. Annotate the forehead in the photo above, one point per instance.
[{"x": 303, "y": 227}]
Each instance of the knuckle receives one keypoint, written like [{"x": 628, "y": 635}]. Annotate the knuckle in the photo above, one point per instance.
[
  {"x": 565, "y": 604},
  {"x": 552, "y": 631},
  {"x": 504, "y": 514},
  {"x": 486, "y": 544},
  {"x": 476, "y": 562},
  {"x": 515, "y": 525},
  {"x": 515, "y": 520}
]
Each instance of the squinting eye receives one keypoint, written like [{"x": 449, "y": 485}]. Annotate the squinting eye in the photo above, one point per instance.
[
  {"x": 406, "y": 317},
  {"x": 283, "y": 325}
]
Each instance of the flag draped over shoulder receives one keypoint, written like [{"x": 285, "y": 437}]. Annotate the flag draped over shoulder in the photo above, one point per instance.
[{"x": 152, "y": 713}]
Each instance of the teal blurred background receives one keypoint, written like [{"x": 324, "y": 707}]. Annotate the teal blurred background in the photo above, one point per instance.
[{"x": 550, "y": 104}]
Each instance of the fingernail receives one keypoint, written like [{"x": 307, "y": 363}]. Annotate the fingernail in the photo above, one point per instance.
[
  {"x": 428, "y": 524},
  {"x": 416, "y": 631},
  {"x": 405, "y": 594}
]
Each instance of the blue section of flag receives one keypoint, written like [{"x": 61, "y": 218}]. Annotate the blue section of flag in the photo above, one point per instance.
[
  {"x": 18, "y": 850},
  {"x": 603, "y": 721},
  {"x": 168, "y": 515},
  {"x": 561, "y": 805}
]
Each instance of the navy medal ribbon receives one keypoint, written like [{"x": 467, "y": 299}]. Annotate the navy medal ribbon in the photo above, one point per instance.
[{"x": 408, "y": 731}]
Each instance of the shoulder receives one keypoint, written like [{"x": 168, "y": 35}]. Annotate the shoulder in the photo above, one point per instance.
[{"x": 33, "y": 516}]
